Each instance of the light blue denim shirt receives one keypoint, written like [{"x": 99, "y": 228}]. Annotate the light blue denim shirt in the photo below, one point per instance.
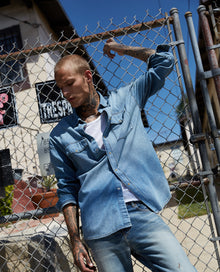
[{"x": 91, "y": 177}]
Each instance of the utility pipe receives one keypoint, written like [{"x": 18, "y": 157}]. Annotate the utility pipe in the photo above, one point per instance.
[
  {"x": 207, "y": 35},
  {"x": 196, "y": 119},
  {"x": 203, "y": 83}
]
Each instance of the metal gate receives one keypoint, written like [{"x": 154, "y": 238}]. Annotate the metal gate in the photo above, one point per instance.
[{"x": 34, "y": 238}]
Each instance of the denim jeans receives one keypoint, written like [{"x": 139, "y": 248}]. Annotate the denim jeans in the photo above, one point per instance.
[{"x": 149, "y": 240}]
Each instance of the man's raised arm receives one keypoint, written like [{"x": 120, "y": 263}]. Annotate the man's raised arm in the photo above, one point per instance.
[{"x": 141, "y": 53}]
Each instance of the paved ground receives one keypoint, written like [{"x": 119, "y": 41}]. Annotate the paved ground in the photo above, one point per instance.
[{"x": 193, "y": 233}]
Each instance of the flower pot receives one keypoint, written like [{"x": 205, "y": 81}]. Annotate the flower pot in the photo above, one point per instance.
[{"x": 45, "y": 199}]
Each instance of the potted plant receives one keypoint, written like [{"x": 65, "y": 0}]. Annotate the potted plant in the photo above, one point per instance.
[
  {"x": 48, "y": 197},
  {"x": 49, "y": 182}
]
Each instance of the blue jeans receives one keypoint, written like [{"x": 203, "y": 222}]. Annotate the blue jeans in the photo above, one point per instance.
[{"x": 149, "y": 240}]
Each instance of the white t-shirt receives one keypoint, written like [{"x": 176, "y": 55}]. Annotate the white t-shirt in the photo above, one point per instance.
[{"x": 96, "y": 129}]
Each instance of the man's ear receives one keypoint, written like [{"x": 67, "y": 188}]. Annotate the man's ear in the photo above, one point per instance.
[{"x": 88, "y": 75}]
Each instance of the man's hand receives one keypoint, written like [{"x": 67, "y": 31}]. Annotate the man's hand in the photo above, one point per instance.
[
  {"x": 140, "y": 53},
  {"x": 111, "y": 44},
  {"x": 80, "y": 253},
  {"x": 81, "y": 257}
]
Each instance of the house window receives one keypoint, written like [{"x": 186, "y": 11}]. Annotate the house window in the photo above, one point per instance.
[{"x": 10, "y": 71}]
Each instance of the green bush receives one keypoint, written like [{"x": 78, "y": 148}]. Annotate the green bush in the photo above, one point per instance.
[{"x": 6, "y": 202}]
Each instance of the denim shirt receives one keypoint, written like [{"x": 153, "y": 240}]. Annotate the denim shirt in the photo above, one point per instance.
[{"x": 91, "y": 177}]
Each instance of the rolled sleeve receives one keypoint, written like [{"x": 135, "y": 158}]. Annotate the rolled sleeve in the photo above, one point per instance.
[
  {"x": 68, "y": 185},
  {"x": 160, "y": 66},
  {"x": 162, "y": 61}
]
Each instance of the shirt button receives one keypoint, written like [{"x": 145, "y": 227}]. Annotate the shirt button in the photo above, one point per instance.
[
  {"x": 116, "y": 170},
  {"x": 118, "y": 188}
]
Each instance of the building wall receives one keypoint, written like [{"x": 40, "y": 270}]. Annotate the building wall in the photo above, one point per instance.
[
  {"x": 174, "y": 160},
  {"x": 21, "y": 139}
]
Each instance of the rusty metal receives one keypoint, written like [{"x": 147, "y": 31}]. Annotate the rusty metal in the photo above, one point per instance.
[
  {"x": 183, "y": 97},
  {"x": 83, "y": 40},
  {"x": 195, "y": 138},
  {"x": 186, "y": 184},
  {"x": 213, "y": 61},
  {"x": 196, "y": 119},
  {"x": 203, "y": 85}
]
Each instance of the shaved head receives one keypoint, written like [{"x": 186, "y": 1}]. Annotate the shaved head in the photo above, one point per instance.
[{"x": 76, "y": 62}]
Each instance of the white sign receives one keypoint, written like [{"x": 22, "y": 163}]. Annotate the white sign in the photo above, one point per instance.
[{"x": 43, "y": 149}]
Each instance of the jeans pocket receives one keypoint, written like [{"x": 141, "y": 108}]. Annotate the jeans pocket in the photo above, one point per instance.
[{"x": 140, "y": 206}]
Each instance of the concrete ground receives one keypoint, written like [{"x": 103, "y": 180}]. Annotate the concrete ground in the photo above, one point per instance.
[
  {"x": 193, "y": 233},
  {"x": 195, "y": 236}
]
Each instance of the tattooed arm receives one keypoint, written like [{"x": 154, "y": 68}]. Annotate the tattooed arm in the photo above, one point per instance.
[
  {"x": 141, "y": 53},
  {"x": 80, "y": 254}
]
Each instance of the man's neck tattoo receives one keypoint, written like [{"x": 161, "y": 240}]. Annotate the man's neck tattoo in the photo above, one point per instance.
[{"x": 89, "y": 107}]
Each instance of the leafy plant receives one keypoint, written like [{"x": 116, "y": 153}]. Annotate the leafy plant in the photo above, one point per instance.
[
  {"x": 48, "y": 182},
  {"x": 6, "y": 202}
]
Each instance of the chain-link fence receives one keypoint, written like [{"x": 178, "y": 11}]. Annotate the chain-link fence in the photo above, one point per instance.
[{"x": 34, "y": 238}]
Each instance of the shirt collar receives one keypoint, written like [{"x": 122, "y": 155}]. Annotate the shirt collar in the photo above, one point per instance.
[{"x": 102, "y": 104}]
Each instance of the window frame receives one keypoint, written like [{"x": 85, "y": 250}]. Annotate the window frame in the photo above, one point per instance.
[{"x": 19, "y": 78}]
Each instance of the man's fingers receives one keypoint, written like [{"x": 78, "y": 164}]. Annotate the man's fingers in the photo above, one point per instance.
[
  {"x": 108, "y": 52},
  {"x": 89, "y": 263},
  {"x": 85, "y": 266},
  {"x": 83, "y": 261},
  {"x": 110, "y": 40}
]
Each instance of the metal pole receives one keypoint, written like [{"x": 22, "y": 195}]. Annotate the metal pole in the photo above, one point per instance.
[
  {"x": 186, "y": 110},
  {"x": 28, "y": 215},
  {"x": 203, "y": 83},
  {"x": 196, "y": 118},
  {"x": 76, "y": 41},
  {"x": 207, "y": 35}
]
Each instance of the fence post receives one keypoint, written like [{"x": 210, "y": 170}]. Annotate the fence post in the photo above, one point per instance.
[
  {"x": 213, "y": 62},
  {"x": 184, "y": 100},
  {"x": 203, "y": 83},
  {"x": 199, "y": 137}
]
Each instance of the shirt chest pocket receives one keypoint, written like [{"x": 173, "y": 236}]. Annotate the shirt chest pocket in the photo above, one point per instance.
[
  {"x": 76, "y": 148},
  {"x": 121, "y": 124},
  {"x": 83, "y": 154}
]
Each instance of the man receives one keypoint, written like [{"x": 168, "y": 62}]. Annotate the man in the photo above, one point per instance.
[{"x": 106, "y": 165}]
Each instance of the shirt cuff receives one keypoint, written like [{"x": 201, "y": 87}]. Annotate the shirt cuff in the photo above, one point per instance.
[{"x": 60, "y": 205}]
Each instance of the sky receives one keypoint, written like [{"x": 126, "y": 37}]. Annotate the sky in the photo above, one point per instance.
[{"x": 87, "y": 14}]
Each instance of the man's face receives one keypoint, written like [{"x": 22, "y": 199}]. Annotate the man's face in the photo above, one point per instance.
[{"x": 74, "y": 86}]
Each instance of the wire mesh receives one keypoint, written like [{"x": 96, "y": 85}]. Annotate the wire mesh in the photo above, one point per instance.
[{"x": 34, "y": 238}]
